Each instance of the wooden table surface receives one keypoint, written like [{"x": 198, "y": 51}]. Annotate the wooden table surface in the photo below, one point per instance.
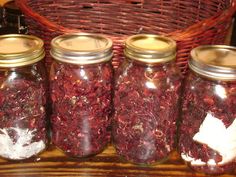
[{"x": 107, "y": 164}]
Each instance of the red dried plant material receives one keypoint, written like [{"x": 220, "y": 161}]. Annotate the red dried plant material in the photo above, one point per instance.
[
  {"x": 199, "y": 99},
  {"x": 146, "y": 110},
  {"x": 82, "y": 104},
  {"x": 22, "y": 109}
]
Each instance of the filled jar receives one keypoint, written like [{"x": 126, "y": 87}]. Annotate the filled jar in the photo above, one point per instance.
[
  {"x": 81, "y": 79},
  {"x": 23, "y": 88},
  {"x": 208, "y": 129},
  {"x": 14, "y": 20},
  {"x": 147, "y": 92}
]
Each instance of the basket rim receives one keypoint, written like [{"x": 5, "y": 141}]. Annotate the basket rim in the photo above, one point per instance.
[{"x": 183, "y": 34}]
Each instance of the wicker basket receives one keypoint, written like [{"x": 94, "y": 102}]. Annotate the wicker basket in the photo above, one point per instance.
[{"x": 189, "y": 22}]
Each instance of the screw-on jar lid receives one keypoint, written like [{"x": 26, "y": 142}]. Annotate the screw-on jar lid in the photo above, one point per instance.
[
  {"x": 150, "y": 48},
  {"x": 217, "y": 62},
  {"x": 20, "y": 50},
  {"x": 81, "y": 48}
]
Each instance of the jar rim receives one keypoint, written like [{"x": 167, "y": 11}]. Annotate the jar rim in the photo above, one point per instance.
[
  {"x": 150, "y": 48},
  {"x": 20, "y": 50},
  {"x": 81, "y": 48},
  {"x": 217, "y": 62}
]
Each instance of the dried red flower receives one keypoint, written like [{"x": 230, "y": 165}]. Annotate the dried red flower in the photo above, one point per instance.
[
  {"x": 146, "y": 110},
  {"x": 81, "y": 97},
  {"x": 22, "y": 109},
  {"x": 203, "y": 97}
]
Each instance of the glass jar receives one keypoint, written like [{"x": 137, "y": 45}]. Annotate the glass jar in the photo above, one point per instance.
[
  {"x": 14, "y": 20},
  {"x": 147, "y": 92},
  {"x": 22, "y": 97},
  {"x": 81, "y": 79},
  {"x": 208, "y": 129}
]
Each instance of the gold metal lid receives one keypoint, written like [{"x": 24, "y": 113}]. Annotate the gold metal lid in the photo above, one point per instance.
[
  {"x": 81, "y": 48},
  {"x": 19, "y": 50},
  {"x": 150, "y": 48},
  {"x": 214, "y": 61}
]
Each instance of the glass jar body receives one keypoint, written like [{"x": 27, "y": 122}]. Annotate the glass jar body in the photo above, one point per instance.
[
  {"x": 146, "y": 110},
  {"x": 23, "y": 132},
  {"x": 208, "y": 128},
  {"x": 82, "y": 104}
]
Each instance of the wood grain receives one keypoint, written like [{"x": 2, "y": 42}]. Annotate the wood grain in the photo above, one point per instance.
[{"x": 53, "y": 163}]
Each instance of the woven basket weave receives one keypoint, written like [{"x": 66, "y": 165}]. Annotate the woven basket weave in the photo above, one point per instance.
[{"x": 189, "y": 22}]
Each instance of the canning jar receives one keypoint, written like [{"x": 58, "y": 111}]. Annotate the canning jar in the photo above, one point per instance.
[
  {"x": 208, "y": 129},
  {"x": 81, "y": 92},
  {"x": 22, "y": 97},
  {"x": 147, "y": 92},
  {"x": 14, "y": 20}
]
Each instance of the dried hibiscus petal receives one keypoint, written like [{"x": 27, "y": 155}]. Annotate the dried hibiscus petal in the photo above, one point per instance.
[
  {"x": 146, "y": 110},
  {"x": 22, "y": 112},
  {"x": 208, "y": 128},
  {"x": 81, "y": 97}
]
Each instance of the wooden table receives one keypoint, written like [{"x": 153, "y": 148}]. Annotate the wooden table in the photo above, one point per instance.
[{"x": 53, "y": 163}]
